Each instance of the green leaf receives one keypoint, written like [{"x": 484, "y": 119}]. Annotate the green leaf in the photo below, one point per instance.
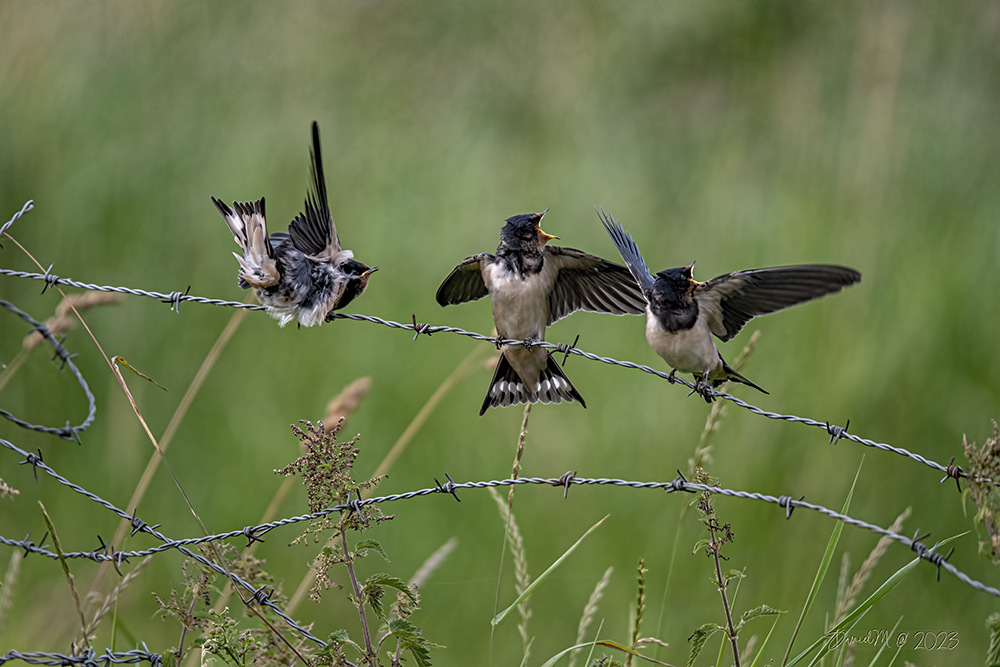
[
  {"x": 885, "y": 644},
  {"x": 760, "y": 652},
  {"x": 384, "y": 579},
  {"x": 852, "y": 619},
  {"x": 993, "y": 654},
  {"x": 412, "y": 640},
  {"x": 607, "y": 643},
  {"x": 698, "y": 639},
  {"x": 732, "y": 574},
  {"x": 699, "y": 545},
  {"x": 824, "y": 565},
  {"x": 757, "y": 612},
  {"x": 340, "y": 636},
  {"x": 370, "y": 545},
  {"x": 531, "y": 587}
]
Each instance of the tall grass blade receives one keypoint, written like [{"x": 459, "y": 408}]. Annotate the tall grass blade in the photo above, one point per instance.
[
  {"x": 552, "y": 568},
  {"x": 824, "y": 565}
]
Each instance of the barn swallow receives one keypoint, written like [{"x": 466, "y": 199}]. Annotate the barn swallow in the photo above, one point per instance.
[
  {"x": 302, "y": 273},
  {"x": 531, "y": 285},
  {"x": 682, "y": 314}
]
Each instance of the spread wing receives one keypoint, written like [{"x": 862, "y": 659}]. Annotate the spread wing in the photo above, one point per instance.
[
  {"x": 465, "y": 282},
  {"x": 629, "y": 252},
  {"x": 585, "y": 282},
  {"x": 732, "y": 300},
  {"x": 313, "y": 232}
]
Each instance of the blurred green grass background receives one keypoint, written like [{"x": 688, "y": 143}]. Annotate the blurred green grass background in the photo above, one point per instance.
[{"x": 739, "y": 135}]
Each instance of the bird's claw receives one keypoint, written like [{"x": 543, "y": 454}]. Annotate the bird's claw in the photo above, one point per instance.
[
  {"x": 672, "y": 379},
  {"x": 498, "y": 341},
  {"x": 703, "y": 388}
]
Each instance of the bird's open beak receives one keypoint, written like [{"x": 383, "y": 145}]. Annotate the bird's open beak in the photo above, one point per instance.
[{"x": 543, "y": 237}]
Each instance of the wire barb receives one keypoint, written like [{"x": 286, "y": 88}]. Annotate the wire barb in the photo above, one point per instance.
[
  {"x": 260, "y": 597},
  {"x": 51, "y": 279},
  {"x": 248, "y": 532},
  {"x": 420, "y": 328},
  {"x": 139, "y": 525},
  {"x": 564, "y": 481},
  {"x": 836, "y": 432},
  {"x": 34, "y": 460},
  {"x": 447, "y": 487},
  {"x": 566, "y": 349},
  {"x": 929, "y": 553},
  {"x": 175, "y": 298},
  {"x": 789, "y": 504},
  {"x": 955, "y": 472}
]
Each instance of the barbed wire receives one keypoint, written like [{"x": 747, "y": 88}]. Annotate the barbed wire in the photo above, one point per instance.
[
  {"x": 89, "y": 658},
  {"x": 836, "y": 433},
  {"x": 138, "y": 525},
  {"x": 254, "y": 533},
  {"x": 67, "y": 432},
  {"x": 28, "y": 205}
]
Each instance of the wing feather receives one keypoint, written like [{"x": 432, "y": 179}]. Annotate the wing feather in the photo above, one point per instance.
[
  {"x": 586, "y": 282},
  {"x": 465, "y": 282},
  {"x": 629, "y": 252},
  {"x": 732, "y": 300},
  {"x": 313, "y": 231}
]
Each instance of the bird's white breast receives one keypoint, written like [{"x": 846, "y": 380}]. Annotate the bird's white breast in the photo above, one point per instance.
[
  {"x": 689, "y": 350},
  {"x": 520, "y": 303}
]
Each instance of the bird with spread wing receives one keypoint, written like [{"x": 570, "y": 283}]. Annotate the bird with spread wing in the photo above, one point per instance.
[
  {"x": 302, "y": 273},
  {"x": 531, "y": 285},
  {"x": 683, "y": 314}
]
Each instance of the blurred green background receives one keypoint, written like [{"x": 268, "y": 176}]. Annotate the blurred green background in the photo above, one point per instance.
[{"x": 739, "y": 135}]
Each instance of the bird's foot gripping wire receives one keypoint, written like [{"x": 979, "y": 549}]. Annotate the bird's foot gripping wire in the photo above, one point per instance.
[
  {"x": 703, "y": 388},
  {"x": 672, "y": 378}
]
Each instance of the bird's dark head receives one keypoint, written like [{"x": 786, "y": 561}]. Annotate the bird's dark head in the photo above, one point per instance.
[
  {"x": 523, "y": 232},
  {"x": 356, "y": 269},
  {"x": 357, "y": 283},
  {"x": 680, "y": 278},
  {"x": 671, "y": 299}
]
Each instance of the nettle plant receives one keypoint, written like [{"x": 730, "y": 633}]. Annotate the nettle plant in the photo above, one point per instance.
[{"x": 325, "y": 469}]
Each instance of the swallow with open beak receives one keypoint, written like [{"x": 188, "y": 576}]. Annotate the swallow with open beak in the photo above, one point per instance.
[
  {"x": 682, "y": 314},
  {"x": 531, "y": 285},
  {"x": 302, "y": 273}
]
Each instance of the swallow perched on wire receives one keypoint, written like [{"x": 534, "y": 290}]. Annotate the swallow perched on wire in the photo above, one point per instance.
[
  {"x": 682, "y": 314},
  {"x": 531, "y": 285},
  {"x": 302, "y": 273}
]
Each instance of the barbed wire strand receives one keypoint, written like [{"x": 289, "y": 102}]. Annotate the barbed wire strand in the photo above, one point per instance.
[
  {"x": 174, "y": 299},
  {"x": 67, "y": 432},
  {"x": 835, "y": 432},
  {"x": 450, "y": 487},
  {"x": 28, "y": 205},
  {"x": 89, "y": 658},
  {"x": 138, "y": 525}
]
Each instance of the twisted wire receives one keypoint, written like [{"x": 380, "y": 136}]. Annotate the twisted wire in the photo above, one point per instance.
[
  {"x": 138, "y": 526},
  {"x": 67, "y": 432},
  {"x": 836, "y": 432},
  {"x": 88, "y": 658},
  {"x": 450, "y": 487}
]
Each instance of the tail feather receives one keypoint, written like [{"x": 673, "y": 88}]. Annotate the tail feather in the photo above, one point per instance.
[
  {"x": 249, "y": 228},
  {"x": 736, "y": 377},
  {"x": 507, "y": 388}
]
